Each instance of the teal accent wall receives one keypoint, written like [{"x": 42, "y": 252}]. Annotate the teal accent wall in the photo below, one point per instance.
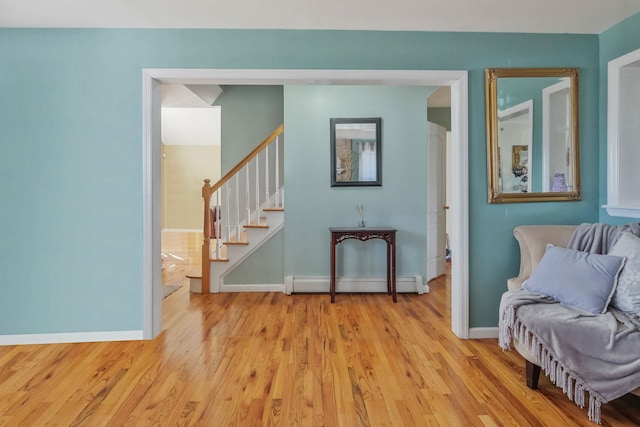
[
  {"x": 248, "y": 115},
  {"x": 263, "y": 267},
  {"x": 313, "y": 205},
  {"x": 71, "y": 162},
  {"x": 615, "y": 42}
]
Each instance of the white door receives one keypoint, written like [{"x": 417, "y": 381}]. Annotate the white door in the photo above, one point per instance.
[
  {"x": 556, "y": 134},
  {"x": 436, "y": 227}
]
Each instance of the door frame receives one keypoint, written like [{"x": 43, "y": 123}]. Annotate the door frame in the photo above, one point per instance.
[{"x": 152, "y": 78}]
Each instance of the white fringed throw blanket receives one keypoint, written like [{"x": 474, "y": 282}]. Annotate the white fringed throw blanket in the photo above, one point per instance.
[{"x": 578, "y": 351}]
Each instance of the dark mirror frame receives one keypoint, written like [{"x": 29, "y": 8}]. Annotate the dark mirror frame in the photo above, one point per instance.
[{"x": 377, "y": 182}]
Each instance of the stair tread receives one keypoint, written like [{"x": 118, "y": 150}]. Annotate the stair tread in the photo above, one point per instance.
[
  {"x": 240, "y": 239},
  {"x": 262, "y": 223},
  {"x": 194, "y": 274},
  {"x": 235, "y": 242}
]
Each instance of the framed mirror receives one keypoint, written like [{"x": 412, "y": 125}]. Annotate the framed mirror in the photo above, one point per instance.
[
  {"x": 356, "y": 152},
  {"x": 532, "y": 134}
]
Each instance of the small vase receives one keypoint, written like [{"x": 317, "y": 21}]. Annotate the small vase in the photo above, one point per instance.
[{"x": 362, "y": 222}]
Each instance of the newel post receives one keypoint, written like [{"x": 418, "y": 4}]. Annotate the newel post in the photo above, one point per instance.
[{"x": 206, "y": 241}]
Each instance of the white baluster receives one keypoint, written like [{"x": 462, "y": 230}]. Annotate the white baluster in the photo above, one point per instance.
[
  {"x": 258, "y": 185},
  {"x": 227, "y": 192},
  {"x": 246, "y": 190},
  {"x": 217, "y": 224},
  {"x": 277, "y": 201},
  {"x": 237, "y": 197},
  {"x": 220, "y": 220},
  {"x": 266, "y": 176}
]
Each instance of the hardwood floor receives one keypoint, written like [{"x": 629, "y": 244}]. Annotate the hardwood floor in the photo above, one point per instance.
[
  {"x": 181, "y": 253},
  {"x": 276, "y": 360}
]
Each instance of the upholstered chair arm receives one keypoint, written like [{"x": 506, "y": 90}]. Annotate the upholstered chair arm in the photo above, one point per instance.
[{"x": 533, "y": 241}]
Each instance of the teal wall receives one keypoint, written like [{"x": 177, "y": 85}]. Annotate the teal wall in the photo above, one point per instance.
[
  {"x": 615, "y": 42},
  {"x": 313, "y": 205},
  {"x": 263, "y": 267},
  {"x": 248, "y": 115},
  {"x": 71, "y": 163}
]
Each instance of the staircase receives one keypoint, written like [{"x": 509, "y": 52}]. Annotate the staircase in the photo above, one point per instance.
[{"x": 242, "y": 211}]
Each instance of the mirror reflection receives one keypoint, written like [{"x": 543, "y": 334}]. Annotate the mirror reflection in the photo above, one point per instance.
[
  {"x": 355, "y": 152},
  {"x": 532, "y": 136}
]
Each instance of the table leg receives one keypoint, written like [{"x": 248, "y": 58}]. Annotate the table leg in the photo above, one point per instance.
[
  {"x": 388, "y": 268},
  {"x": 332, "y": 285},
  {"x": 393, "y": 268}
]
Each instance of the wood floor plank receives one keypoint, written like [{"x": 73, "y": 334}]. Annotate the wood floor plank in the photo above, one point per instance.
[{"x": 276, "y": 360}]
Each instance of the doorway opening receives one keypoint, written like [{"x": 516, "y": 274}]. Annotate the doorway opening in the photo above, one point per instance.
[
  {"x": 190, "y": 139},
  {"x": 152, "y": 80}
]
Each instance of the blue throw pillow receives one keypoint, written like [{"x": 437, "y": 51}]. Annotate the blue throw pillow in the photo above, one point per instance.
[
  {"x": 627, "y": 295},
  {"x": 580, "y": 279}
]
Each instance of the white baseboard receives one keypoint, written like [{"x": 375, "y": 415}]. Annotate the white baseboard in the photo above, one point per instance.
[
  {"x": 277, "y": 287},
  {"x": 317, "y": 284},
  {"x": 480, "y": 333},
  {"x": 320, "y": 284},
  {"x": 71, "y": 337}
]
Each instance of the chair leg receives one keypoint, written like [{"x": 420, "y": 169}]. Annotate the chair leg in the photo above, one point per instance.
[{"x": 533, "y": 374}]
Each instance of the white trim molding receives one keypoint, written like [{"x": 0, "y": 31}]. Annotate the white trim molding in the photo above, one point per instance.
[
  {"x": 481, "y": 333},
  {"x": 626, "y": 212},
  {"x": 151, "y": 176},
  {"x": 72, "y": 337},
  {"x": 459, "y": 238},
  {"x": 288, "y": 285},
  {"x": 614, "y": 206},
  {"x": 274, "y": 287}
]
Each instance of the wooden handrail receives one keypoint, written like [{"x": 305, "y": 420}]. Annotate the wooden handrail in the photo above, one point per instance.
[
  {"x": 207, "y": 191},
  {"x": 248, "y": 158}
]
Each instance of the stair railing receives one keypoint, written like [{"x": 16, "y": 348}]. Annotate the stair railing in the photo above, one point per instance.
[{"x": 247, "y": 182}]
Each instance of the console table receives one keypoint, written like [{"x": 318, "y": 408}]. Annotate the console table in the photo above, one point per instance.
[{"x": 340, "y": 234}]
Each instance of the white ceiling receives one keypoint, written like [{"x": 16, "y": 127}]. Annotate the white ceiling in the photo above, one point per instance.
[
  {"x": 530, "y": 16},
  {"x": 440, "y": 98},
  {"x": 189, "y": 96}
]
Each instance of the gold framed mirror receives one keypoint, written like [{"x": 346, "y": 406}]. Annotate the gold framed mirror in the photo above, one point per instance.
[{"x": 532, "y": 134}]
